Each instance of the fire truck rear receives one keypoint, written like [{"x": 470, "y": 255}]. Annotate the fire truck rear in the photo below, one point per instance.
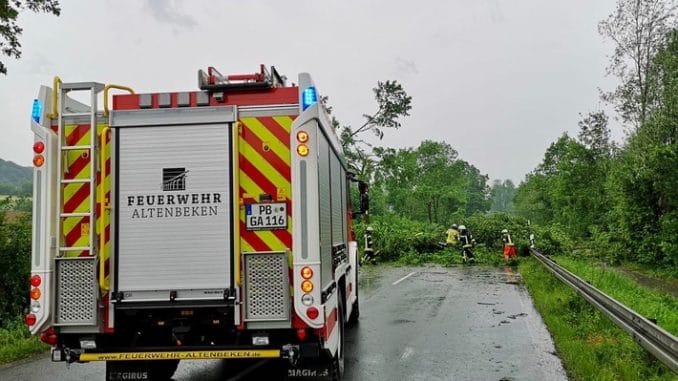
[{"x": 211, "y": 224}]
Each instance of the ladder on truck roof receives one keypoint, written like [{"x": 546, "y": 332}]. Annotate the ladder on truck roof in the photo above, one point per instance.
[
  {"x": 217, "y": 82},
  {"x": 76, "y": 260}
]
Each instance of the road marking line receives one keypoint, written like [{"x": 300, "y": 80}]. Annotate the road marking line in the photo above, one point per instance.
[{"x": 403, "y": 278}]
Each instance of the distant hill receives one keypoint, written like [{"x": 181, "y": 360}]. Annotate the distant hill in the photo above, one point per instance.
[
  {"x": 11, "y": 172},
  {"x": 14, "y": 178}
]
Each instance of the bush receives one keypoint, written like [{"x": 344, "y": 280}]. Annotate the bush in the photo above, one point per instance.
[
  {"x": 16, "y": 342},
  {"x": 395, "y": 236},
  {"x": 15, "y": 250},
  {"x": 398, "y": 238},
  {"x": 552, "y": 240},
  {"x": 486, "y": 229}
]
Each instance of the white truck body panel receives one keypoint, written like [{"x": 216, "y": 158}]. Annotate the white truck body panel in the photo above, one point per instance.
[{"x": 174, "y": 201}]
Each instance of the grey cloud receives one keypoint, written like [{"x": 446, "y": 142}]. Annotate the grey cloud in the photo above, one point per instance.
[
  {"x": 405, "y": 67},
  {"x": 168, "y": 12}
]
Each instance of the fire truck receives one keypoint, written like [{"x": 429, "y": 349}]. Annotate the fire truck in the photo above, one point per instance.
[{"x": 210, "y": 224}]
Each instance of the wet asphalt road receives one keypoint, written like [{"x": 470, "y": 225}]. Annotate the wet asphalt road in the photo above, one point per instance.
[{"x": 417, "y": 323}]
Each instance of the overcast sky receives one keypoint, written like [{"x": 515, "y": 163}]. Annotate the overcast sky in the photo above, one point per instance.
[{"x": 499, "y": 80}]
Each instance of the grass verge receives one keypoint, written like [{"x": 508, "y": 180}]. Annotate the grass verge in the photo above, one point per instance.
[
  {"x": 652, "y": 304},
  {"x": 17, "y": 343},
  {"x": 590, "y": 345}
]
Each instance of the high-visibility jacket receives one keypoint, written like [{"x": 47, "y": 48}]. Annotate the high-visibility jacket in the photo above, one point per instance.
[
  {"x": 466, "y": 240},
  {"x": 452, "y": 236}
]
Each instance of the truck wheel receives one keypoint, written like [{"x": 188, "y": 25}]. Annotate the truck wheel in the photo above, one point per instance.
[
  {"x": 338, "y": 359},
  {"x": 355, "y": 311},
  {"x": 162, "y": 370}
]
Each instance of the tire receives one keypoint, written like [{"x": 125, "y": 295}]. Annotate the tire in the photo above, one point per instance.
[
  {"x": 355, "y": 310},
  {"x": 355, "y": 314},
  {"x": 338, "y": 359}
]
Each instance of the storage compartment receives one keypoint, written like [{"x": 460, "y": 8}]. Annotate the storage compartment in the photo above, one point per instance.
[{"x": 174, "y": 212}]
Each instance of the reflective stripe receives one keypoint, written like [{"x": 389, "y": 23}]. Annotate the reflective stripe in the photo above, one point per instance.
[
  {"x": 264, "y": 168},
  {"x": 76, "y": 196}
]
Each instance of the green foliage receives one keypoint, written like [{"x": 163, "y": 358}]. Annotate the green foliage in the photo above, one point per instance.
[
  {"x": 643, "y": 183},
  {"x": 553, "y": 240},
  {"x": 402, "y": 240},
  {"x": 570, "y": 180},
  {"x": 486, "y": 230},
  {"x": 16, "y": 204},
  {"x": 15, "y": 249},
  {"x": 23, "y": 188},
  {"x": 451, "y": 256},
  {"x": 17, "y": 343},
  {"x": 638, "y": 30},
  {"x": 394, "y": 236},
  {"x": 393, "y": 103},
  {"x": 590, "y": 345},
  {"x": 619, "y": 202},
  {"x": 428, "y": 183},
  {"x": 10, "y": 30},
  {"x": 502, "y": 194}
]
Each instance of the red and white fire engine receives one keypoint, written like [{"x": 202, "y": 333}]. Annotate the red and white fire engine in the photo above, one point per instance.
[{"x": 211, "y": 224}]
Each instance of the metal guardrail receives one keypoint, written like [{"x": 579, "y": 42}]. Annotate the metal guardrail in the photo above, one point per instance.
[{"x": 662, "y": 344}]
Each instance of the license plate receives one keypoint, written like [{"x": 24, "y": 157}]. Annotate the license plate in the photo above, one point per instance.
[{"x": 266, "y": 216}]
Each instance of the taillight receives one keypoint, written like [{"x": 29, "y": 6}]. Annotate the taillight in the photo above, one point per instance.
[
  {"x": 302, "y": 334},
  {"x": 30, "y": 319},
  {"x": 35, "y": 294},
  {"x": 49, "y": 336},
  {"x": 307, "y": 286},
  {"x": 302, "y": 150},
  {"x": 36, "y": 280},
  {"x": 39, "y": 147},
  {"x": 306, "y": 272},
  {"x": 302, "y": 136},
  {"x": 38, "y": 160},
  {"x": 312, "y": 313}
]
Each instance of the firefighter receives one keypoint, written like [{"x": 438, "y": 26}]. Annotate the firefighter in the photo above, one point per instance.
[
  {"x": 452, "y": 235},
  {"x": 509, "y": 246},
  {"x": 466, "y": 240}
]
